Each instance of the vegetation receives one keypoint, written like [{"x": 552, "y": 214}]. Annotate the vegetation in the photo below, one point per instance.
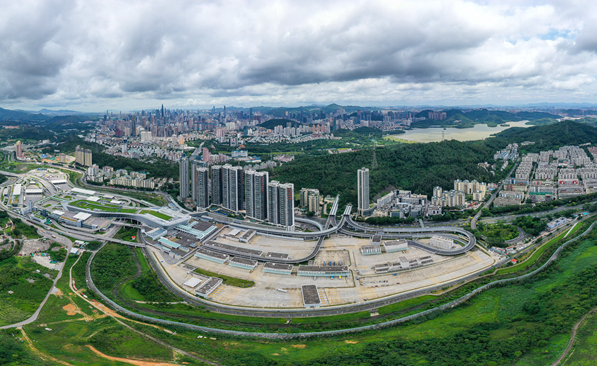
[
  {"x": 496, "y": 234},
  {"x": 416, "y": 167},
  {"x": 157, "y": 214},
  {"x": 531, "y": 225},
  {"x": 279, "y": 122},
  {"x": 13, "y": 352},
  {"x": 60, "y": 255},
  {"x": 230, "y": 281},
  {"x": 28, "y": 287},
  {"x": 111, "y": 265},
  {"x": 94, "y": 245},
  {"x": 147, "y": 284},
  {"x": 126, "y": 233},
  {"x": 20, "y": 228}
]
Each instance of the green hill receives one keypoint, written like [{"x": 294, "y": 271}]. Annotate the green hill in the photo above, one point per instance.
[
  {"x": 420, "y": 167},
  {"x": 10, "y": 115},
  {"x": 270, "y": 124}
]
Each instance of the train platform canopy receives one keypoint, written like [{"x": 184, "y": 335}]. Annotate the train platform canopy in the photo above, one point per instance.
[{"x": 86, "y": 192}]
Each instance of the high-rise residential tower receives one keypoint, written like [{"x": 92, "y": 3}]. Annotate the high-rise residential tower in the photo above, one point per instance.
[
  {"x": 280, "y": 201},
  {"x": 202, "y": 187},
  {"x": 19, "y": 148},
  {"x": 363, "y": 190},
  {"x": 184, "y": 177},
  {"x": 256, "y": 194},
  {"x": 232, "y": 187},
  {"x": 216, "y": 185}
]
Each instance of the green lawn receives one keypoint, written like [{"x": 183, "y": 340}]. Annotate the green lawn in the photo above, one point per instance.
[
  {"x": 157, "y": 214},
  {"x": 231, "y": 281},
  {"x": 128, "y": 210}
]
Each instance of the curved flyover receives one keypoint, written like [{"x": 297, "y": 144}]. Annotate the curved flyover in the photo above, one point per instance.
[
  {"x": 413, "y": 233},
  {"x": 321, "y": 234}
]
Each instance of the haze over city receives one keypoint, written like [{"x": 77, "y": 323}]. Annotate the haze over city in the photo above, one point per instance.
[{"x": 96, "y": 55}]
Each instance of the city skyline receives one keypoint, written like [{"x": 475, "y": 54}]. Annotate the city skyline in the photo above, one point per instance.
[{"x": 195, "y": 55}]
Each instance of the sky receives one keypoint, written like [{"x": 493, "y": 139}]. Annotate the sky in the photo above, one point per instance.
[{"x": 128, "y": 55}]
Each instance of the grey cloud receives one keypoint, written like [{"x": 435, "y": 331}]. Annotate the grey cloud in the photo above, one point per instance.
[{"x": 218, "y": 50}]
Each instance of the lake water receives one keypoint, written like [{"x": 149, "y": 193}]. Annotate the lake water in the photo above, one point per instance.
[{"x": 478, "y": 132}]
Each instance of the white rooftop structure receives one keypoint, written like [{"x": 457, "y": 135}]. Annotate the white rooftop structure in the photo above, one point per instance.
[
  {"x": 192, "y": 282},
  {"x": 82, "y": 216},
  {"x": 58, "y": 212},
  {"x": 34, "y": 191},
  {"x": 58, "y": 181},
  {"x": 17, "y": 190},
  {"x": 93, "y": 199},
  {"x": 83, "y": 191}
]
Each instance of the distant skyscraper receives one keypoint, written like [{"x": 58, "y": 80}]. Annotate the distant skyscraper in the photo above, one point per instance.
[
  {"x": 19, "y": 148},
  {"x": 184, "y": 177},
  {"x": 216, "y": 185},
  {"x": 202, "y": 187},
  {"x": 363, "y": 190},
  {"x": 134, "y": 127},
  {"x": 256, "y": 194},
  {"x": 280, "y": 201}
]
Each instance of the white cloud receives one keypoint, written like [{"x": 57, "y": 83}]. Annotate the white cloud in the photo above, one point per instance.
[{"x": 95, "y": 55}]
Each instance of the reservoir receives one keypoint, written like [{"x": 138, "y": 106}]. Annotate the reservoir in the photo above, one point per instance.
[{"x": 478, "y": 132}]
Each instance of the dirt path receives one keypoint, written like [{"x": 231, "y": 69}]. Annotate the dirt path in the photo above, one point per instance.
[
  {"x": 127, "y": 360},
  {"x": 39, "y": 353},
  {"x": 119, "y": 318},
  {"x": 573, "y": 336}
]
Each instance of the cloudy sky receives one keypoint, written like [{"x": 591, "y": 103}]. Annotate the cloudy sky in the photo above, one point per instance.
[{"x": 125, "y": 55}]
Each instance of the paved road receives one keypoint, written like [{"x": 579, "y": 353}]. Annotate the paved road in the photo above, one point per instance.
[
  {"x": 33, "y": 317},
  {"x": 491, "y": 199}
]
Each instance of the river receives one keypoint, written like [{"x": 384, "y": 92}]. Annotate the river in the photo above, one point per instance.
[{"x": 478, "y": 132}]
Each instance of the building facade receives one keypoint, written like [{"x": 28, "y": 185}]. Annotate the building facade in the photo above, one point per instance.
[
  {"x": 216, "y": 185},
  {"x": 202, "y": 187},
  {"x": 256, "y": 184},
  {"x": 363, "y": 190},
  {"x": 280, "y": 201},
  {"x": 184, "y": 177}
]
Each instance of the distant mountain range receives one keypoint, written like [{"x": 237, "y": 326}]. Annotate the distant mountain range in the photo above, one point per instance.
[{"x": 42, "y": 115}]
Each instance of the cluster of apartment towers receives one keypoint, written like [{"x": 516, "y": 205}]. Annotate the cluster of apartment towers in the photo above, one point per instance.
[{"x": 237, "y": 190}]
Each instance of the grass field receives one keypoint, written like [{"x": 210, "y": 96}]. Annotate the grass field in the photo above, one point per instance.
[
  {"x": 95, "y": 206},
  {"x": 128, "y": 210},
  {"x": 29, "y": 288},
  {"x": 157, "y": 214},
  {"x": 75, "y": 325},
  {"x": 230, "y": 281}
]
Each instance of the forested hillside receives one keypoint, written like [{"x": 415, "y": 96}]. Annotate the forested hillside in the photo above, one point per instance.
[
  {"x": 546, "y": 137},
  {"x": 420, "y": 167}
]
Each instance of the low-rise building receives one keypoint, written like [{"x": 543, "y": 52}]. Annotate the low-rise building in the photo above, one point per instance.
[
  {"x": 441, "y": 242},
  {"x": 277, "y": 268},
  {"x": 370, "y": 249}
]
